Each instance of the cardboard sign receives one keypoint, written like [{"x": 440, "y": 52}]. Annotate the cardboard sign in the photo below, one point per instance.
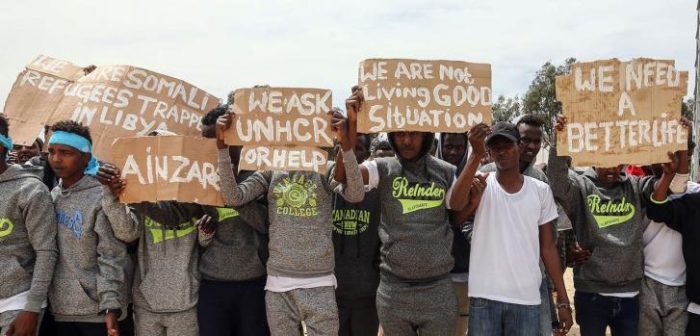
[
  {"x": 164, "y": 168},
  {"x": 114, "y": 101},
  {"x": 281, "y": 128},
  {"x": 622, "y": 112},
  {"x": 426, "y": 96}
]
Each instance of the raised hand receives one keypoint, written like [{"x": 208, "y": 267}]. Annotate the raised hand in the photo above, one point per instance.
[{"x": 477, "y": 135}]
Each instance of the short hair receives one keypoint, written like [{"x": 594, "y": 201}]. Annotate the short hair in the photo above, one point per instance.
[
  {"x": 530, "y": 119},
  {"x": 74, "y": 127},
  {"x": 379, "y": 143},
  {"x": 4, "y": 125},
  {"x": 211, "y": 116}
]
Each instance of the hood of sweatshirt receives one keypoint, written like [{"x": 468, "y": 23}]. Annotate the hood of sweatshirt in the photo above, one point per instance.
[
  {"x": 462, "y": 160},
  {"x": 85, "y": 183},
  {"x": 16, "y": 172}
]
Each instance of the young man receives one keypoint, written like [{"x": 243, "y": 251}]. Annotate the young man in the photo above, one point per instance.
[
  {"x": 681, "y": 215},
  {"x": 512, "y": 232},
  {"x": 663, "y": 300},
  {"x": 356, "y": 246},
  {"x": 300, "y": 283},
  {"x": 87, "y": 293},
  {"x": 606, "y": 207},
  {"x": 27, "y": 244},
  {"x": 415, "y": 293},
  {"x": 381, "y": 147},
  {"x": 166, "y": 284},
  {"x": 452, "y": 147},
  {"x": 232, "y": 292}
]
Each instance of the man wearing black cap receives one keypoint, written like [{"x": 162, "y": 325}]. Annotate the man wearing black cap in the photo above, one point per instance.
[{"x": 512, "y": 231}]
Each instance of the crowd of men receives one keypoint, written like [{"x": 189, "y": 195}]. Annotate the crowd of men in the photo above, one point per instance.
[{"x": 391, "y": 241}]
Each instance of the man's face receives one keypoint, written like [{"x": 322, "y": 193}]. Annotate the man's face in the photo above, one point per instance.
[
  {"x": 383, "y": 152},
  {"x": 24, "y": 153},
  {"x": 504, "y": 152},
  {"x": 361, "y": 149},
  {"x": 409, "y": 144},
  {"x": 608, "y": 175},
  {"x": 454, "y": 146},
  {"x": 67, "y": 161},
  {"x": 530, "y": 142}
]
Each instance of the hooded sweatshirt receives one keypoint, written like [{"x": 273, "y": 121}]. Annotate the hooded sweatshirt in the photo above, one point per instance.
[
  {"x": 609, "y": 221},
  {"x": 167, "y": 275},
  {"x": 415, "y": 231},
  {"x": 460, "y": 245},
  {"x": 356, "y": 245},
  {"x": 299, "y": 211},
  {"x": 27, "y": 237},
  {"x": 89, "y": 276}
]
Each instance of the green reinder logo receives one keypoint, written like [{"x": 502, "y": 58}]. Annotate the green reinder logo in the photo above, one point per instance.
[
  {"x": 6, "y": 227},
  {"x": 611, "y": 212},
  {"x": 417, "y": 196},
  {"x": 159, "y": 235}
]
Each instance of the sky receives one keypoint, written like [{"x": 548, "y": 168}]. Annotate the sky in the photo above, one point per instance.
[{"x": 221, "y": 45}]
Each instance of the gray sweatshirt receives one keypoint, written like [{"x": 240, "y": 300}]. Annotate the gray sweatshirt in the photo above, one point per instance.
[
  {"x": 608, "y": 220},
  {"x": 299, "y": 212},
  {"x": 27, "y": 237},
  {"x": 89, "y": 275},
  {"x": 415, "y": 230},
  {"x": 239, "y": 249},
  {"x": 167, "y": 276}
]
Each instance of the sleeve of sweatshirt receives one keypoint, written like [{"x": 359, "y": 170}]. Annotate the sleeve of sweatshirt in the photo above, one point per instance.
[
  {"x": 111, "y": 261},
  {"x": 646, "y": 186},
  {"x": 353, "y": 190},
  {"x": 39, "y": 217},
  {"x": 125, "y": 224},
  {"x": 672, "y": 212},
  {"x": 233, "y": 193},
  {"x": 564, "y": 186},
  {"x": 255, "y": 215}
]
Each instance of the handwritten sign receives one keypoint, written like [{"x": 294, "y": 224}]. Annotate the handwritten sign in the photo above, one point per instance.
[
  {"x": 427, "y": 96},
  {"x": 114, "y": 101},
  {"x": 163, "y": 168},
  {"x": 622, "y": 112},
  {"x": 282, "y": 128}
]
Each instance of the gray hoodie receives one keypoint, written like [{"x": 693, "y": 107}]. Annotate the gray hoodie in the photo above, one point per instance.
[
  {"x": 608, "y": 221},
  {"x": 167, "y": 274},
  {"x": 27, "y": 237},
  {"x": 415, "y": 231},
  {"x": 299, "y": 208},
  {"x": 238, "y": 251},
  {"x": 89, "y": 275}
]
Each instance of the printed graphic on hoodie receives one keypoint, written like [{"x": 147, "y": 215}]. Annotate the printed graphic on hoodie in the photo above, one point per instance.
[
  {"x": 611, "y": 212},
  {"x": 160, "y": 235},
  {"x": 415, "y": 196},
  {"x": 350, "y": 222},
  {"x": 73, "y": 221},
  {"x": 296, "y": 196},
  {"x": 226, "y": 213},
  {"x": 6, "y": 227}
]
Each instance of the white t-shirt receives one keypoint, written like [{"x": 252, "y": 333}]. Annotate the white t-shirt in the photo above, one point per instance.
[
  {"x": 505, "y": 250},
  {"x": 281, "y": 284},
  {"x": 16, "y": 302},
  {"x": 663, "y": 256}
]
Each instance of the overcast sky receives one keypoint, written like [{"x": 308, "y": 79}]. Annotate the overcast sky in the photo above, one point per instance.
[{"x": 220, "y": 45}]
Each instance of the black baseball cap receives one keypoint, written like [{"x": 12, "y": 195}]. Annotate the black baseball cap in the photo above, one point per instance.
[{"x": 504, "y": 129}]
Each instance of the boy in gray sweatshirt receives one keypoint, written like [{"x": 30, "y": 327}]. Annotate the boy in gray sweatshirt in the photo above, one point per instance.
[
  {"x": 300, "y": 283},
  {"x": 27, "y": 244},
  {"x": 606, "y": 207},
  {"x": 232, "y": 292},
  {"x": 88, "y": 293}
]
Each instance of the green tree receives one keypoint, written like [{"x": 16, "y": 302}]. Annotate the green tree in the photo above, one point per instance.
[
  {"x": 688, "y": 108},
  {"x": 506, "y": 109},
  {"x": 540, "y": 98}
]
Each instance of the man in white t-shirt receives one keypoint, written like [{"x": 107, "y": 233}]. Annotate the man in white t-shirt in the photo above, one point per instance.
[
  {"x": 512, "y": 230},
  {"x": 663, "y": 300}
]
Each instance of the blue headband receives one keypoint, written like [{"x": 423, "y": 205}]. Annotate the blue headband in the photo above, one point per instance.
[
  {"x": 7, "y": 143},
  {"x": 79, "y": 143}
]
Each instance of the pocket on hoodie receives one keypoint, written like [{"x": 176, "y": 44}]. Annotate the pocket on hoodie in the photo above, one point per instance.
[
  {"x": 69, "y": 297},
  {"x": 15, "y": 279},
  {"x": 169, "y": 293},
  {"x": 416, "y": 260}
]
